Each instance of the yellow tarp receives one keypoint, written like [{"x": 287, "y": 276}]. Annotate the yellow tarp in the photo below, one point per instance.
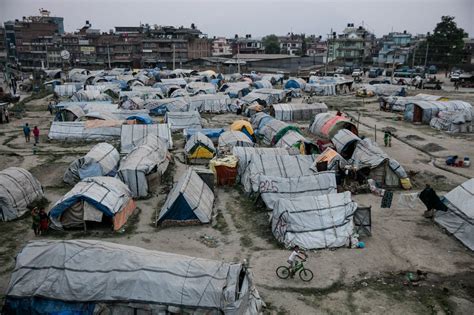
[
  {"x": 238, "y": 125},
  {"x": 326, "y": 156},
  {"x": 201, "y": 153}
]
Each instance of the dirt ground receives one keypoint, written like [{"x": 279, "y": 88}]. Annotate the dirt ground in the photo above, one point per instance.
[{"x": 372, "y": 280}]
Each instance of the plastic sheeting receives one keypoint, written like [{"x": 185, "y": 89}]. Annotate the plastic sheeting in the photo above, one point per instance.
[
  {"x": 189, "y": 200},
  {"x": 151, "y": 156},
  {"x": 424, "y": 111},
  {"x": 101, "y": 160},
  {"x": 291, "y": 112},
  {"x": 265, "y": 96},
  {"x": 183, "y": 120},
  {"x": 230, "y": 139},
  {"x": 275, "y": 165},
  {"x": 326, "y": 125},
  {"x": 85, "y": 131},
  {"x": 194, "y": 88},
  {"x": 295, "y": 83},
  {"x": 161, "y": 107},
  {"x": 454, "y": 121},
  {"x": 199, "y": 147},
  {"x": 210, "y": 103},
  {"x": 343, "y": 139},
  {"x": 102, "y": 272},
  {"x": 244, "y": 154},
  {"x": 211, "y": 133},
  {"x": 133, "y": 135},
  {"x": 272, "y": 188},
  {"x": 314, "y": 222},
  {"x": 18, "y": 189},
  {"x": 90, "y": 95},
  {"x": 459, "y": 219},
  {"x": 93, "y": 195}
]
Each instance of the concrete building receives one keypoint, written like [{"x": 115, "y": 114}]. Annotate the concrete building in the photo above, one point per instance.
[
  {"x": 247, "y": 45},
  {"x": 291, "y": 44},
  {"x": 3, "y": 49},
  {"x": 353, "y": 46},
  {"x": 221, "y": 47},
  {"x": 395, "y": 49}
]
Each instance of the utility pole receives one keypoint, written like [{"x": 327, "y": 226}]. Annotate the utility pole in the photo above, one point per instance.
[
  {"x": 238, "y": 53},
  {"x": 174, "y": 56},
  {"x": 426, "y": 54},
  {"x": 108, "y": 54},
  {"x": 413, "y": 61},
  {"x": 327, "y": 53},
  {"x": 47, "y": 59}
]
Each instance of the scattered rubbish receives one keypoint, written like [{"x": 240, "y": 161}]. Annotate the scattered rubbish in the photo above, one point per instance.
[{"x": 209, "y": 241}]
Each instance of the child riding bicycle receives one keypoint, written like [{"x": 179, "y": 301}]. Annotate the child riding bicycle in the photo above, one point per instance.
[{"x": 296, "y": 254}]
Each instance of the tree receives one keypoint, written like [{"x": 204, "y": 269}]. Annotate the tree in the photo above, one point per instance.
[
  {"x": 271, "y": 44},
  {"x": 446, "y": 44}
]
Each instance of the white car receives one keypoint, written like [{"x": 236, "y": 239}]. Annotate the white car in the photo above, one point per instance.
[{"x": 357, "y": 73}]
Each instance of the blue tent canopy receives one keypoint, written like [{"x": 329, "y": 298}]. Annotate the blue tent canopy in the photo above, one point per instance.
[
  {"x": 211, "y": 133},
  {"x": 144, "y": 119}
]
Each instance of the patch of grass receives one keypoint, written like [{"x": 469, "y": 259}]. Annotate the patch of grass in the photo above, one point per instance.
[{"x": 221, "y": 224}]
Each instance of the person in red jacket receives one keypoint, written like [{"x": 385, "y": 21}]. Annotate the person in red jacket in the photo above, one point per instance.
[{"x": 36, "y": 133}]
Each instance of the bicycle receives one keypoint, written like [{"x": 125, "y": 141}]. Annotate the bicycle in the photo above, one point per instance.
[{"x": 283, "y": 272}]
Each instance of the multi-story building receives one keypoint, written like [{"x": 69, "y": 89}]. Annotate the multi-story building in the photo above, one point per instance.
[
  {"x": 247, "y": 45},
  {"x": 3, "y": 49},
  {"x": 395, "y": 49},
  {"x": 221, "y": 47},
  {"x": 352, "y": 46},
  {"x": 291, "y": 44}
]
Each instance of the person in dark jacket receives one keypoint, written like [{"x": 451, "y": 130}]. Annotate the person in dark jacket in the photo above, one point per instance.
[{"x": 432, "y": 202}]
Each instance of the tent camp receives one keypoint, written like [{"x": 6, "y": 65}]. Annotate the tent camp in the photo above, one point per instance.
[
  {"x": 199, "y": 147},
  {"x": 190, "y": 201},
  {"x": 459, "y": 219},
  {"x": 194, "y": 88},
  {"x": 264, "y": 96},
  {"x": 245, "y": 127},
  {"x": 244, "y": 154},
  {"x": 275, "y": 165},
  {"x": 101, "y": 160},
  {"x": 313, "y": 222},
  {"x": 345, "y": 142},
  {"x": 95, "y": 130},
  {"x": 230, "y": 139},
  {"x": 258, "y": 120},
  {"x": 326, "y": 125},
  {"x": 90, "y": 95},
  {"x": 370, "y": 161},
  {"x": 183, "y": 120},
  {"x": 18, "y": 190},
  {"x": 292, "y": 112},
  {"x": 143, "y": 165},
  {"x": 96, "y": 277},
  {"x": 272, "y": 188},
  {"x": 98, "y": 199},
  {"x": 420, "y": 111},
  {"x": 70, "y": 113}
]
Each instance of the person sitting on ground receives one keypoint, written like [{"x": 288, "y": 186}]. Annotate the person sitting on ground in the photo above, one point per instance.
[
  {"x": 432, "y": 202},
  {"x": 297, "y": 253},
  {"x": 338, "y": 113},
  {"x": 36, "y": 221},
  {"x": 44, "y": 221}
]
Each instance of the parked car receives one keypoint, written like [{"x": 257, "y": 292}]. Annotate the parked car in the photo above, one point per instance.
[
  {"x": 385, "y": 81},
  {"x": 340, "y": 70},
  {"x": 357, "y": 73},
  {"x": 432, "y": 69},
  {"x": 454, "y": 76},
  {"x": 373, "y": 73}
]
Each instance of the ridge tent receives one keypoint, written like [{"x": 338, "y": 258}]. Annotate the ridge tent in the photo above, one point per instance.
[
  {"x": 258, "y": 120},
  {"x": 70, "y": 113},
  {"x": 161, "y": 107},
  {"x": 454, "y": 121},
  {"x": 263, "y": 84},
  {"x": 458, "y": 220},
  {"x": 101, "y": 160},
  {"x": 244, "y": 154},
  {"x": 326, "y": 125},
  {"x": 314, "y": 222},
  {"x": 199, "y": 146},
  {"x": 345, "y": 142},
  {"x": 420, "y": 111},
  {"x": 272, "y": 188},
  {"x": 321, "y": 89},
  {"x": 211, "y": 133},
  {"x": 183, "y": 120},
  {"x": 275, "y": 165},
  {"x": 209, "y": 103},
  {"x": 194, "y": 88},
  {"x": 384, "y": 170},
  {"x": 292, "y": 112},
  {"x": 133, "y": 135},
  {"x": 99, "y": 199},
  {"x": 264, "y": 96},
  {"x": 136, "y": 169},
  {"x": 89, "y": 95},
  {"x": 111, "y": 278},
  {"x": 245, "y": 127},
  {"x": 230, "y": 139},
  {"x": 297, "y": 143},
  {"x": 94, "y": 130},
  {"x": 190, "y": 201},
  {"x": 18, "y": 189}
]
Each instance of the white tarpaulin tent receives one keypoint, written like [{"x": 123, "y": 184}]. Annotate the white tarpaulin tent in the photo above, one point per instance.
[
  {"x": 117, "y": 279},
  {"x": 133, "y": 135},
  {"x": 454, "y": 121},
  {"x": 191, "y": 200},
  {"x": 459, "y": 219},
  {"x": 231, "y": 139},
  {"x": 244, "y": 154},
  {"x": 151, "y": 156},
  {"x": 96, "y": 130},
  {"x": 314, "y": 222},
  {"x": 272, "y": 188},
  {"x": 90, "y": 200},
  {"x": 101, "y": 160},
  {"x": 210, "y": 103},
  {"x": 183, "y": 120},
  {"x": 18, "y": 189},
  {"x": 302, "y": 111},
  {"x": 275, "y": 165}
]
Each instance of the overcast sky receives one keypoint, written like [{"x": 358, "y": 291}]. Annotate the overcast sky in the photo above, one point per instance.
[{"x": 256, "y": 17}]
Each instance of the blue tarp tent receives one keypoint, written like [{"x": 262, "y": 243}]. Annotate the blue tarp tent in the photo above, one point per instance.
[
  {"x": 211, "y": 133},
  {"x": 295, "y": 84},
  {"x": 143, "y": 119}
]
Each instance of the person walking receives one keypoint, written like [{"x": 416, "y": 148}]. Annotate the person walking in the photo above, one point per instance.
[
  {"x": 50, "y": 107},
  {"x": 27, "y": 132},
  {"x": 36, "y": 221},
  {"x": 7, "y": 116},
  {"x": 387, "y": 139},
  {"x": 36, "y": 134}
]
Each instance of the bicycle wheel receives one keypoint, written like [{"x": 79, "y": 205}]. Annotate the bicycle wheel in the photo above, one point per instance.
[
  {"x": 306, "y": 275},
  {"x": 283, "y": 272}
]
